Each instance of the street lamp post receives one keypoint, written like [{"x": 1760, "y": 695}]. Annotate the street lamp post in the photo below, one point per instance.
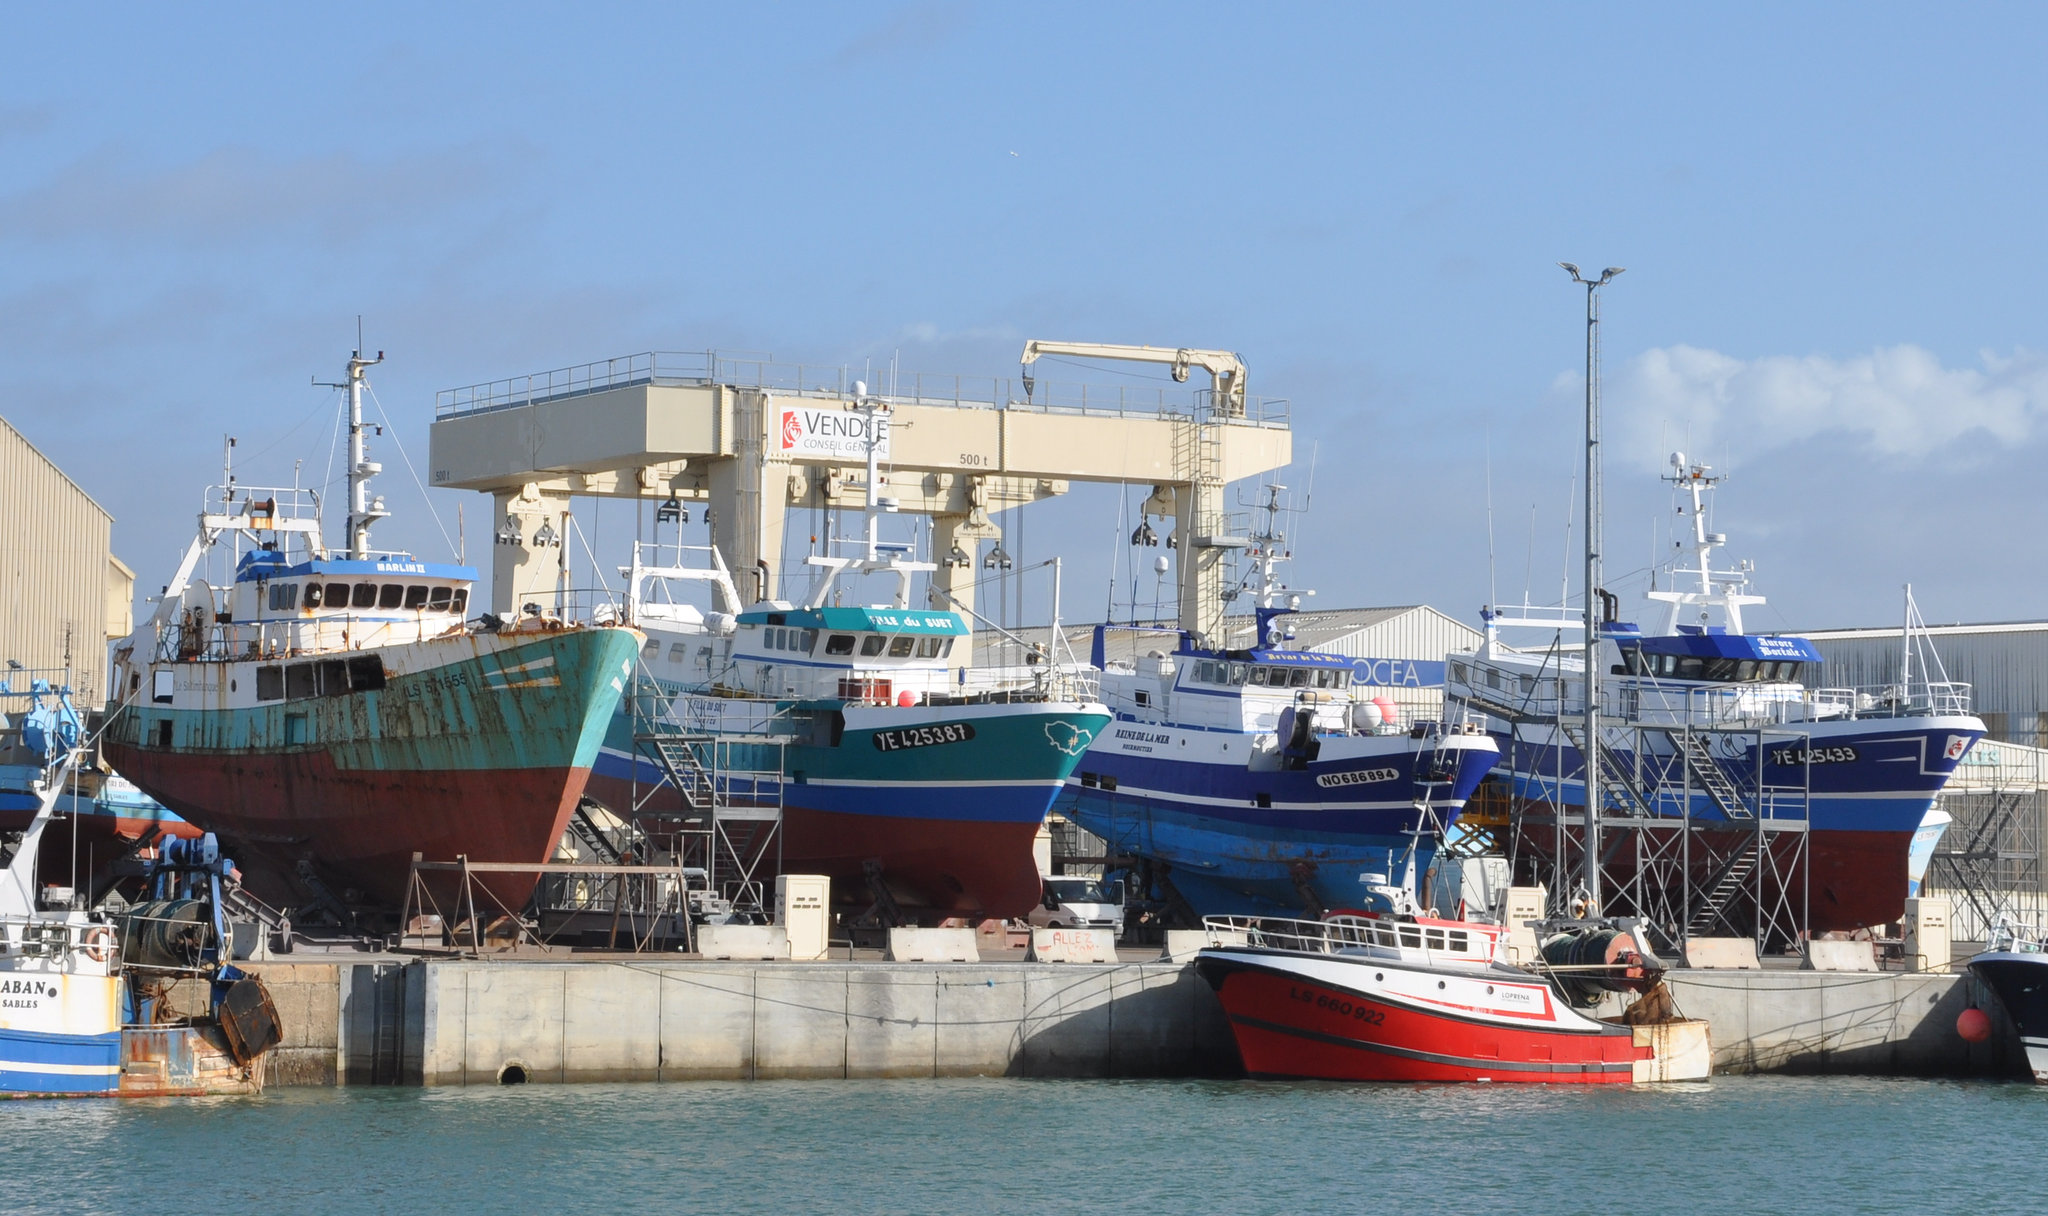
[{"x": 1589, "y": 752}]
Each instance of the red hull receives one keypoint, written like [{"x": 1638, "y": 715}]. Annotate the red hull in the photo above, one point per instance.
[
  {"x": 946, "y": 867},
  {"x": 1855, "y": 880},
  {"x": 1289, "y": 1027},
  {"x": 362, "y": 827},
  {"x": 934, "y": 868}
]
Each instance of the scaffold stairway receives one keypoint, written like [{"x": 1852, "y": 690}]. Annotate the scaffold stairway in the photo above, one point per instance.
[
  {"x": 1699, "y": 762},
  {"x": 683, "y": 766},
  {"x": 1726, "y": 886},
  {"x": 1612, "y": 774}
]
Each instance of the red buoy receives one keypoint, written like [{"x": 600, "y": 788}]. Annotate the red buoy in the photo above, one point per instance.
[
  {"x": 906, "y": 699},
  {"x": 1974, "y": 1025}
]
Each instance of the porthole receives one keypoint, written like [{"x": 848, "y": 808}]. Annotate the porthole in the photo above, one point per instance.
[{"x": 1439, "y": 983}]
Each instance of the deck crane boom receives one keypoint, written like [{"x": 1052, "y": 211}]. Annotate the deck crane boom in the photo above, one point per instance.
[{"x": 1224, "y": 366}]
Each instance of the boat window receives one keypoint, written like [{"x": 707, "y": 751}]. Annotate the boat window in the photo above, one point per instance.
[
  {"x": 1299, "y": 677},
  {"x": 366, "y": 673},
  {"x": 461, "y": 601},
  {"x": 336, "y": 595},
  {"x": 1690, "y": 666},
  {"x": 1258, "y": 677},
  {"x": 283, "y": 596},
  {"x": 1434, "y": 939},
  {"x": 1323, "y": 679},
  {"x": 313, "y": 595},
  {"x": 652, "y": 648},
  {"x": 333, "y": 677},
  {"x": 774, "y": 639},
  {"x": 416, "y": 596},
  {"x": 1383, "y": 935},
  {"x": 392, "y": 596},
  {"x": 1237, "y": 673},
  {"x": 365, "y": 596},
  {"x": 1343, "y": 679},
  {"x": 677, "y": 651},
  {"x": 899, "y": 646},
  {"x": 1411, "y": 935},
  {"x": 839, "y": 643},
  {"x": 300, "y": 680},
  {"x": 928, "y": 648},
  {"x": 1460, "y": 941},
  {"x": 270, "y": 683},
  {"x": 946, "y": 649},
  {"x": 872, "y": 644},
  {"x": 438, "y": 601}
]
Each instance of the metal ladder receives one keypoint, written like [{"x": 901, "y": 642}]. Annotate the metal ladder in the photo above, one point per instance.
[
  {"x": 1612, "y": 773},
  {"x": 1727, "y": 885}
]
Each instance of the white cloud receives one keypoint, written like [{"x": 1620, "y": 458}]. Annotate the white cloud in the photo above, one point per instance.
[{"x": 1897, "y": 400}]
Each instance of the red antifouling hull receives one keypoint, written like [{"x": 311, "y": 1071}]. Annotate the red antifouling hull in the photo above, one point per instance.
[
  {"x": 941, "y": 867},
  {"x": 362, "y": 827},
  {"x": 1290, "y": 1028}
]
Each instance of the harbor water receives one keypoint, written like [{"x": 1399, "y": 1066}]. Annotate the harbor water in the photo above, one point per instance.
[{"x": 1787, "y": 1145}]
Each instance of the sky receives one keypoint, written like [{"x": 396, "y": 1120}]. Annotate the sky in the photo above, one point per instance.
[{"x": 1829, "y": 216}]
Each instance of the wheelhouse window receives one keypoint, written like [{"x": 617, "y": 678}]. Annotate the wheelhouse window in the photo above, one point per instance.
[
  {"x": 677, "y": 651},
  {"x": 928, "y": 648},
  {"x": 313, "y": 591},
  {"x": 365, "y": 596},
  {"x": 270, "y": 682},
  {"x": 899, "y": 646},
  {"x": 460, "y": 603},
  {"x": 872, "y": 644},
  {"x": 391, "y": 595},
  {"x": 839, "y": 643},
  {"x": 337, "y": 595},
  {"x": 440, "y": 598},
  {"x": 652, "y": 648},
  {"x": 284, "y": 597},
  {"x": 416, "y": 596}
]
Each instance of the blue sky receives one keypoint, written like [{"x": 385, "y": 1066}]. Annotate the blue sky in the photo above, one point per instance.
[{"x": 1830, "y": 216}]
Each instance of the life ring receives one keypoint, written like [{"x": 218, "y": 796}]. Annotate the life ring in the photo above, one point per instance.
[{"x": 99, "y": 944}]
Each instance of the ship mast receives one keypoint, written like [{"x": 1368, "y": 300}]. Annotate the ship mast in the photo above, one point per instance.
[
  {"x": 363, "y": 510},
  {"x": 1590, "y": 752}
]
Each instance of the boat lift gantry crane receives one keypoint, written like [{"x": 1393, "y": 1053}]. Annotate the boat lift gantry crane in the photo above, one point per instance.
[{"x": 750, "y": 438}]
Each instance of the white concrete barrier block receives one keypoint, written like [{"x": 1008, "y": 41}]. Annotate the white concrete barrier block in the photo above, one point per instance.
[
  {"x": 1183, "y": 944},
  {"x": 1722, "y": 954},
  {"x": 933, "y": 946},
  {"x": 1072, "y": 946},
  {"x": 1841, "y": 956},
  {"x": 747, "y": 942}
]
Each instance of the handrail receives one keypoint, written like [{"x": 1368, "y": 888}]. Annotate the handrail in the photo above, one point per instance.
[{"x": 836, "y": 381}]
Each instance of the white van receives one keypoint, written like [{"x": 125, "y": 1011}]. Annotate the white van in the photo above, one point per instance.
[{"x": 1074, "y": 902}]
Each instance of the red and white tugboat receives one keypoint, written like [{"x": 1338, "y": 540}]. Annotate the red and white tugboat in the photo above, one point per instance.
[{"x": 1403, "y": 996}]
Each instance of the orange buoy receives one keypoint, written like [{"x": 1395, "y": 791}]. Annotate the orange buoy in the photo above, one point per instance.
[
  {"x": 906, "y": 699},
  {"x": 1974, "y": 1025}
]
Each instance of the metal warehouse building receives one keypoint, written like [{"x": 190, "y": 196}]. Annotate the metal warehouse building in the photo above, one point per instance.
[
  {"x": 2005, "y": 665},
  {"x": 1398, "y": 652},
  {"x": 63, "y": 593}
]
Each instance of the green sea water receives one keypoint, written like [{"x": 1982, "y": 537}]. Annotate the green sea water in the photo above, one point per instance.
[{"x": 1048, "y": 1148}]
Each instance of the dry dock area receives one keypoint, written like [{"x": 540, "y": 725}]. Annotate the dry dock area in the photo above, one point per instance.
[{"x": 403, "y": 1021}]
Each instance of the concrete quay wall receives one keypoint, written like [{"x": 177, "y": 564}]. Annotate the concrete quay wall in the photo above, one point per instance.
[
  {"x": 1873, "y": 1024},
  {"x": 468, "y": 1022},
  {"x": 444, "y": 1022}
]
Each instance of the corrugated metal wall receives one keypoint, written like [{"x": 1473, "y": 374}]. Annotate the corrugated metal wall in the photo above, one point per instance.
[
  {"x": 2007, "y": 672},
  {"x": 57, "y": 576},
  {"x": 1422, "y": 634}
]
